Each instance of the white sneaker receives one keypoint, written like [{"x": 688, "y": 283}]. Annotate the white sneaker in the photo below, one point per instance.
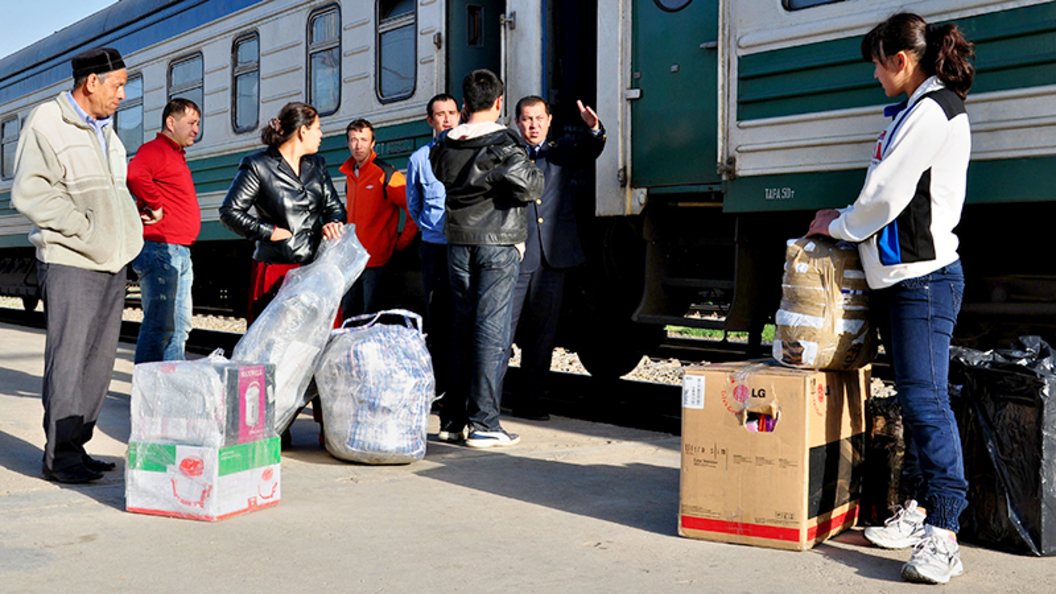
[
  {"x": 936, "y": 559},
  {"x": 490, "y": 439},
  {"x": 902, "y": 530}
]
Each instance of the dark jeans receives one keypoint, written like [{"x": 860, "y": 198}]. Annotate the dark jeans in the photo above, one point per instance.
[
  {"x": 921, "y": 313},
  {"x": 165, "y": 279},
  {"x": 82, "y": 311},
  {"x": 536, "y": 310},
  {"x": 439, "y": 311},
  {"x": 482, "y": 281},
  {"x": 366, "y": 295}
]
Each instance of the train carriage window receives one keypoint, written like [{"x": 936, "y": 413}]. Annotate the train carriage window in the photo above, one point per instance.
[
  {"x": 8, "y": 144},
  {"x": 129, "y": 117},
  {"x": 324, "y": 59},
  {"x": 397, "y": 50},
  {"x": 801, "y": 4},
  {"x": 474, "y": 25},
  {"x": 186, "y": 81},
  {"x": 245, "y": 92}
]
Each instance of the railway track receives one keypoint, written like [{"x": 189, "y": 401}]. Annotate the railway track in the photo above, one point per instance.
[
  {"x": 626, "y": 403},
  {"x": 623, "y": 402}
]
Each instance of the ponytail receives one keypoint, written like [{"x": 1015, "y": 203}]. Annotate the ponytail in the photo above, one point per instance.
[
  {"x": 940, "y": 50},
  {"x": 949, "y": 56}
]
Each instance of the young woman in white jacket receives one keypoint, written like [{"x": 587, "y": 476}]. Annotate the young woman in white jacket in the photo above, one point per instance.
[{"x": 903, "y": 222}]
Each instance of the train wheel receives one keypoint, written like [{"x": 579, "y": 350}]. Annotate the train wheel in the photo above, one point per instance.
[
  {"x": 614, "y": 353},
  {"x": 30, "y": 303}
]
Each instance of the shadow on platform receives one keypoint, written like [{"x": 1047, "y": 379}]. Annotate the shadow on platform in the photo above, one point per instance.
[
  {"x": 637, "y": 495},
  {"x": 25, "y": 458}
]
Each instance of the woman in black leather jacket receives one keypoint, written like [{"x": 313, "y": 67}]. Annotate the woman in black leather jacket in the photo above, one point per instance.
[{"x": 283, "y": 198}]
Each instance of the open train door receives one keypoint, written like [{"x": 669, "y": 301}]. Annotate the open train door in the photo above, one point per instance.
[{"x": 475, "y": 30}]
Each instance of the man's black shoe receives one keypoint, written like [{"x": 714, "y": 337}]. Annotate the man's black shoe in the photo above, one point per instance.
[
  {"x": 97, "y": 465},
  {"x": 531, "y": 413},
  {"x": 72, "y": 475}
]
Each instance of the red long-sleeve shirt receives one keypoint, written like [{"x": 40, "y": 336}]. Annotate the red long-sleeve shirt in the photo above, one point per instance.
[
  {"x": 376, "y": 213},
  {"x": 158, "y": 177}
]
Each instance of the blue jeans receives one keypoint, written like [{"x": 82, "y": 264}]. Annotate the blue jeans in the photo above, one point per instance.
[
  {"x": 165, "y": 279},
  {"x": 482, "y": 281},
  {"x": 921, "y": 313}
]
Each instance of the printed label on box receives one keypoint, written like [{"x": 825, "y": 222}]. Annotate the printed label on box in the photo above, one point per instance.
[
  {"x": 251, "y": 404},
  {"x": 693, "y": 392}
]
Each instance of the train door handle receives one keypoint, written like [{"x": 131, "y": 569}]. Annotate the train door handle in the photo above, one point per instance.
[{"x": 709, "y": 45}]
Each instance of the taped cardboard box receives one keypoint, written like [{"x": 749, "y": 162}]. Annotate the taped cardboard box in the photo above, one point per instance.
[{"x": 771, "y": 456}]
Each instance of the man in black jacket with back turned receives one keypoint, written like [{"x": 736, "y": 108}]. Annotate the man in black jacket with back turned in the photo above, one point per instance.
[
  {"x": 552, "y": 247},
  {"x": 489, "y": 179}
]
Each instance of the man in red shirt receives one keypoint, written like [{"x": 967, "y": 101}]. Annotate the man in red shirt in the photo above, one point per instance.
[
  {"x": 376, "y": 193},
  {"x": 160, "y": 180}
]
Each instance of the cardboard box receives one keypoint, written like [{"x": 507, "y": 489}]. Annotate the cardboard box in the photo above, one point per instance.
[
  {"x": 203, "y": 442},
  {"x": 202, "y": 483},
  {"x": 770, "y": 455}
]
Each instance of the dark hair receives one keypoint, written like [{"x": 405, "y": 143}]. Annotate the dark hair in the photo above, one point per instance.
[
  {"x": 940, "y": 50},
  {"x": 178, "y": 106},
  {"x": 291, "y": 117},
  {"x": 529, "y": 101},
  {"x": 480, "y": 89},
  {"x": 358, "y": 125},
  {"x": 438, "y": 99}
]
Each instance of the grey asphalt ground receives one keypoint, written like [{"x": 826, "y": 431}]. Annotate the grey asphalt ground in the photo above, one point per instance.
[{"x": 577, "y": 507}]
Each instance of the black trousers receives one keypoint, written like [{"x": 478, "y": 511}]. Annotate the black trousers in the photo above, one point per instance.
[
  {"x": 82, "y": 310},
  {"x": 536, "y": 309},
  {"x": 439, "y": 311}
]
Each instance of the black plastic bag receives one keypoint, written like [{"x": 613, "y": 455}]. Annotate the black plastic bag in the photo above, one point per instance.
[
  {"x": 1008, "y": 432},
  {"x": 882, "y": 467}
]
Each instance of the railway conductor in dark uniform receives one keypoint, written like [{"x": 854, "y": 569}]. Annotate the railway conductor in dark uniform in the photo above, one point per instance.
[{"x": 553, "y": 245}]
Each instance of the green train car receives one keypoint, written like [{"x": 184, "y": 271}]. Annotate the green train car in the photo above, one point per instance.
[{"x": 729, "y": 121}]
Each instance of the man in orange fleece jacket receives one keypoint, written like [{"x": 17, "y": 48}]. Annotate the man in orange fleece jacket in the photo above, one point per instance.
[{"x": 376, "y": 193}]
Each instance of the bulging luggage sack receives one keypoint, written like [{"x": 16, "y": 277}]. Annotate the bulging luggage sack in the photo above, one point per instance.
[
  {"x": 293, "y": 329},
  {"x": 376, "y": 385},
  {"x": 823, "y": 320}
]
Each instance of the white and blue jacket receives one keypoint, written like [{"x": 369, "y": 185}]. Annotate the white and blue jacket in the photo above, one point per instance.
[{"x": 914, "y": 190}]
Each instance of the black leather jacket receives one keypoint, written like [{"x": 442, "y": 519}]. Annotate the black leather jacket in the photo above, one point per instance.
[
  {"x": 267, "y": 183},
  {"x": 489, "y": 180}
]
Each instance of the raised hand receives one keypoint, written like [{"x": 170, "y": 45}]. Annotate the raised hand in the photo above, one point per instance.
[{"x": 589, "y": 117}]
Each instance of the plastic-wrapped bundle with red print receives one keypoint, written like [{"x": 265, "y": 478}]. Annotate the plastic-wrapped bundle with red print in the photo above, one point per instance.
[
  {"x": 203, "y": 442},
  {"x": 823, "y": 320},
  {"x": 376, "y": 386}
]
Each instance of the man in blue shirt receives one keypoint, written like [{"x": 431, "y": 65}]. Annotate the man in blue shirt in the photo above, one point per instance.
[{"x": 425, "y": 202}]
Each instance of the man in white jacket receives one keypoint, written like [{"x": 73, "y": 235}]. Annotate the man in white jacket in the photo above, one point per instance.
[{"x": 70, "y": 173}]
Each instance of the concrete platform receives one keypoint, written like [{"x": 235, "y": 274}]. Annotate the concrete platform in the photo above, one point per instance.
[{"x": 577, "y": 507}]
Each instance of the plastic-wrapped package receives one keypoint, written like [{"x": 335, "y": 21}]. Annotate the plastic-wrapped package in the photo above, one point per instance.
[
  {"x": 823, "y": 320},
  {"x": 1007, "y": 421},
  {"x": 376, "y": 385},
  {"x": 203, "y": 442},
  {"x": 293, "y": 329}
]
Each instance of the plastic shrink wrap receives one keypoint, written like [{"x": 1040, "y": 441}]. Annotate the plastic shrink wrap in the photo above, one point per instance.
[
  {"x": 203, "y": 442},
  {"x": 293, "y": 329},
  {"x": 822, "y": 323},
  {"x": 1007, "y": 418},
  {"x": 376, "y": 385}
]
